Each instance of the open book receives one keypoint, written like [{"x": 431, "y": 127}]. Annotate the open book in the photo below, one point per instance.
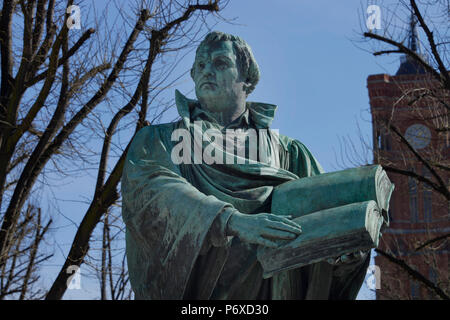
[{"x": 339, "y": 212}]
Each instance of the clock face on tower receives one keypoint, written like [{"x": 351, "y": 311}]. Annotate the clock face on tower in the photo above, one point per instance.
[{"x": 418, "y": 136}]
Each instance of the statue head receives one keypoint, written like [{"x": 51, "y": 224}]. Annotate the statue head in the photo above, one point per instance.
[{"x": 224, "y": 71}]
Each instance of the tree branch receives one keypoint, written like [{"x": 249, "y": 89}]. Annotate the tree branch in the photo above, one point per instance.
[
  {"x": 379, "y": 53},
  {"x": 409, "y": 52},
  {"x": 44, "y": 152},
  {"x": 443, "y": 187},
  {"x": 108, "y": 192},
  {"x": 431, "y": 241},
  {"x": 33, "y": 254},
  {"x": 412, "y": 174},
  {"x": 13, "y": 211},
  {"x": 6, "y": 54},
  {"x": 433, "y": 47},
  {"x": 38, "y": 25},
  {"x": 414, "y": 274},
  {"x": 64, "y": 58},
  {"x": 80, "y": 244}
]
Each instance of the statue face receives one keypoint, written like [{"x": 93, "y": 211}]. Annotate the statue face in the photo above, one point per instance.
[{"x": 218, "y": 84}]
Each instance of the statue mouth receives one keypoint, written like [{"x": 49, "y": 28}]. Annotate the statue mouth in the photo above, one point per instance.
[{"x": 208, "y": 83}]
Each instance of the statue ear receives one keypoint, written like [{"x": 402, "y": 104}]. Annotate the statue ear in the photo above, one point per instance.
[{"x": 247, "y": 86}]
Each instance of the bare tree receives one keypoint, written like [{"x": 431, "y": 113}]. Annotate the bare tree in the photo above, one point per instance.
[
  {"x": 427, "y": 102},
  {"x": 56, "y": 94},
  {"x": 24, "y": 257}
]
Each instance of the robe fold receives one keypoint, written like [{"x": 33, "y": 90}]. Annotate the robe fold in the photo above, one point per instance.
[{"x": 176, "y": 214}]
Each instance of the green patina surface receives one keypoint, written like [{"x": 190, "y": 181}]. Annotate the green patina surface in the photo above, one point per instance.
[{"x": 193, "y": 229}]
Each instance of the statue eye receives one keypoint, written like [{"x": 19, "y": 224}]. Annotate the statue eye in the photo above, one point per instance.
[
  {"x": 220, "y": 64},
  {"x": 201, "y": 65}
]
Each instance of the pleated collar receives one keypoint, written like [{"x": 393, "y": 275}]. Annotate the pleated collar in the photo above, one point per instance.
[{"x": 260, "y": 114}]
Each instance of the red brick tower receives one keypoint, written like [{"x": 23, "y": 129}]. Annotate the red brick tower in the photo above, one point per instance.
[{"x": 418, "y": 212}]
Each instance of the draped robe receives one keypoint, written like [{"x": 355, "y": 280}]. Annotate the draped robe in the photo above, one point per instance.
[{"x": 176, "y": 215}]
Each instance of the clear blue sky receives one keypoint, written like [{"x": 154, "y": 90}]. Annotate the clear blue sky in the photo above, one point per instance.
[{"x": 309, "y": 67}]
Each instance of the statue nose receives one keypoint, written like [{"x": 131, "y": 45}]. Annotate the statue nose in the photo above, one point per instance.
[{"x": 208, "y": 70}]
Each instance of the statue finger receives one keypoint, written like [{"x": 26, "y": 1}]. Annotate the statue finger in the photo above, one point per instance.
[
  {"x": 285, "y": 227},
  {"x": 291, "y": 223},
  {"x": 285, "y": 220},
  {"x": 278, "y": 234}
]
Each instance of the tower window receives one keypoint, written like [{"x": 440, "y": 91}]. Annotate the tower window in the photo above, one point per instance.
[
  {"x": 415, "y": 290},
  {"x": 427, "y": 197},
  {"x": 383, "y": 140},
  {"x": 412, "y": 190},
  {"x": 379, "y": 140},
  {"x": 432, "y": 275},
  {"x": 386, "y": 140},
  {"x": 391, "y": 211}
]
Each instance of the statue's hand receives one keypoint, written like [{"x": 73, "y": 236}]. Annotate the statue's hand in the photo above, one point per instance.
[
  {"x": 348, "y": 258},
  {"x": 262, "y": 228}
]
